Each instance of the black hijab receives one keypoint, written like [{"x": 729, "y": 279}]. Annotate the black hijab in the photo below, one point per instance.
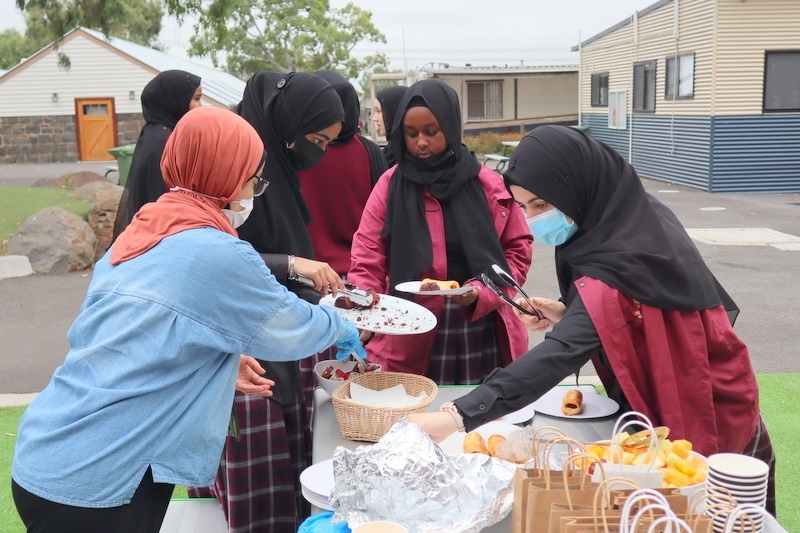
[
  {"x": 454, "y": 181},
  {"x": 352, "y": 112},
  {"x": 282, "y": 108},
  {"x": 390, "y": 99},
  {"x": 626, "y": 237},
  {"x": 165, "y": 99}
]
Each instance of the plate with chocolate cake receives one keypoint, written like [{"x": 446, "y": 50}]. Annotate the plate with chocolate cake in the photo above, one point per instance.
[
  {"x": 387, "y": 314},
  {"x": 433, "y": 287}
]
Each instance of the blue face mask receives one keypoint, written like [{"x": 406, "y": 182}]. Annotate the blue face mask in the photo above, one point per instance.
[{"x": 552, "y": 227}]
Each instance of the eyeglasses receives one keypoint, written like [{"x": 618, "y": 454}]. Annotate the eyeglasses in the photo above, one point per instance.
[{"x": 260, "y": 185}]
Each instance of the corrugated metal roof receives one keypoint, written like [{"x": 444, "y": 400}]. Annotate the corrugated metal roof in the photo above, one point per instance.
[
  {"x": 217, "y": 85},
  {"x": 621, "y": 24},
  {"x": 505, "y": 70}
]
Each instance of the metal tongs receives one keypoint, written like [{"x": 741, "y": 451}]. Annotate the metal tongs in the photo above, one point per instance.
[
  {"x": 507, "y": 278},
  {"x": 358, "y": 296}
]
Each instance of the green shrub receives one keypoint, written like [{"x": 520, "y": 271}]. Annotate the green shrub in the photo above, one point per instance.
[{"x": 491, "y": 143}]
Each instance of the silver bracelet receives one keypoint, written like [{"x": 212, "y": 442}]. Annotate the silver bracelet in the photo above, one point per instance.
[{"x": 292, "y": 274}]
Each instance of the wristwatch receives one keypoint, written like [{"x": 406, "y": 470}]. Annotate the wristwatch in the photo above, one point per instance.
[{"x": 451, "y": 408}]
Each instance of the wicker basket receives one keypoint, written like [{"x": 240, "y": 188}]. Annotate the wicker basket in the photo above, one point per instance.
[{"x": 367, "y": 423}]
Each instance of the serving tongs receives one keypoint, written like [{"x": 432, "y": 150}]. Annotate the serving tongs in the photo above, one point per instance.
[
  {"x": 358, "y": 296},
  {"x": 507, "y": 278}
]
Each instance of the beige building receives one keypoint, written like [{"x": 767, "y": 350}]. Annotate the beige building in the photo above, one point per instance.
[
  {"x": 705, "y": 93},
  {"x": 506, "y": 99}
]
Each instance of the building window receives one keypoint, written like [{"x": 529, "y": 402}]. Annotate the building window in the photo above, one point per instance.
[
  {"x": 644, "y": 87},
  {"x": 679, "y": 80},
  {"x": 600, "y": 89},
  {"x": 484, "y": 100},
  {"x": 782, "y": 81}
]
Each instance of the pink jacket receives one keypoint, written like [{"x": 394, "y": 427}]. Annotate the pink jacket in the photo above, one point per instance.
[{"x": 369, "y": 267}]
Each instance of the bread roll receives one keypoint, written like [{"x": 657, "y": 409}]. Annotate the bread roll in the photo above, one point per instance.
[
  {"x": 573, "y": 402},
  {"x": 474, "y": 443},
  {"x": 494, "y": 443}
]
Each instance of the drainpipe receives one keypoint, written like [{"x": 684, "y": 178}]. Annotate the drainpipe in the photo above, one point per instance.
[
  {"x": 634, "y": 45},
  {"x": 580, "y": 78}
]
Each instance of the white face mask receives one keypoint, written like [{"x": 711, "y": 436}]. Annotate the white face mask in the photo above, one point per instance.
[{"x": 237, "y": 218}]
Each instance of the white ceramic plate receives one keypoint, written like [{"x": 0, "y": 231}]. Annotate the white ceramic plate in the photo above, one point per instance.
[
  {"x": 391, "y": 316},
  {"x": 594, "y": 404},
  {"x": 317, "y": 482},
  {"x": 413, "y": 288},
  {"x": 454, "y": 444},
  {"x": 520, "y": 416}
]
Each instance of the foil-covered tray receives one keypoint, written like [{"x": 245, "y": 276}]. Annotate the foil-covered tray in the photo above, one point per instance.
[{"x": 406, "y": 478}]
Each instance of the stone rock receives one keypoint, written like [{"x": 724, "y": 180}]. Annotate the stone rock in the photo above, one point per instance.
[
  {"x": 105, "y": 201},
  {"x": 74, "y": 180},
  {"x": 45, "y": 182},
  {"x": 93, "y": 188},
  {"x": 14, "y": 266},
  {"x": 55, "y": 241}
]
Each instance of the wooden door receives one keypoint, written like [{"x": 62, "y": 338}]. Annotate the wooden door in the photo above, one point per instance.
[{"x": 95, "y": 128}]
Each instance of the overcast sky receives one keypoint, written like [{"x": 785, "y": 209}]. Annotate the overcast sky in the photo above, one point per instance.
[{"x": 480, "y": 32}]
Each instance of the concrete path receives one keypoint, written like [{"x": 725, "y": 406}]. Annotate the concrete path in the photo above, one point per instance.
[{"x": 760, "y": 274}]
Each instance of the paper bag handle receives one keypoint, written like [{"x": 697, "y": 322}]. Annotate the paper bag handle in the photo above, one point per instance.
[
  {"x": 741, "y": 513},
  {"x": 548, "y": 449},
  {"x": 636, "y": 497},
  {"x": 701, "y": 496},
  {"x": 672, "y": 520},
  {"x": 605, "y": 487},
  {"x": 616, "y": 445},
  {"x": 649, "y": 508}
]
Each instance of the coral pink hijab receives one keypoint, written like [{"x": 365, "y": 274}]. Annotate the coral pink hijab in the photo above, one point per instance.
[{"x": 212, "y": 152}]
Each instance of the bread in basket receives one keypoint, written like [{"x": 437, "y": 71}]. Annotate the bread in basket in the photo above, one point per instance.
[{"x": 368, "y": 423}]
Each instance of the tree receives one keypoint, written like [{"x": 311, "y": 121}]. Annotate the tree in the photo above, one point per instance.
[
  {"x": 14, "y": 47},
  {"x": 380, "y": 85},
  {"x": 281, "y": 35},
  {"x": 134, "y": 20}
]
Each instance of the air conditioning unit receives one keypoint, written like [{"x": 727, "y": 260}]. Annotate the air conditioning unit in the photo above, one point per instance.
[{"x": 617, "y": 110}]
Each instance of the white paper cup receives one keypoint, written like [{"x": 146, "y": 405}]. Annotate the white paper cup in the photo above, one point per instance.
[{"x": 380, "y": 527}]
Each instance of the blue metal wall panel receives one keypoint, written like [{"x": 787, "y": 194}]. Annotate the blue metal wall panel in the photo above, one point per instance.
[
  {"x": 671, "y": 149},
  {"x": 598, "y": 128},
  {"x": 759, "y": 153}
]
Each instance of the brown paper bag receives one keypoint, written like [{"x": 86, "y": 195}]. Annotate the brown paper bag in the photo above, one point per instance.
[
  {"x": 525, "y": 478},
  {"x": 531, "y": 514},
  {"x": 588, "y": 524},
  {"x": 691, "y": 524},
  {"x": 678, "y": 502},
  {"x": 638, "y": 518},
  {"x": 601, "y": 506}
]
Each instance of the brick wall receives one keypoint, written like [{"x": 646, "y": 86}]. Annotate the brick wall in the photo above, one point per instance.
[{"x": 52, "y": 139}]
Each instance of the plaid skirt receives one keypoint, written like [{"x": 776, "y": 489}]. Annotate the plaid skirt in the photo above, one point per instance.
[
  {"x": 308, "y": 379},
  {"x": 760, "y": 447},
  {"x": 258, "y": 481},
  {"x": 463, "y": 352}
]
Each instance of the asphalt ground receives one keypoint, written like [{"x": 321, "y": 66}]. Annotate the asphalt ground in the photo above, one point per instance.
[{"x": 36, "y": 311}]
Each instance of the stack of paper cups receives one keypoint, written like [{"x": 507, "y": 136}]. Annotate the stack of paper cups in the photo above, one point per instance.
[{"x": 746, "y": 479}]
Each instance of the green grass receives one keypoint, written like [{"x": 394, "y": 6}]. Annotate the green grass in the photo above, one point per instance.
[
  {"x": 18, "y": 203},
  {"x": 782, "y": 417}
]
